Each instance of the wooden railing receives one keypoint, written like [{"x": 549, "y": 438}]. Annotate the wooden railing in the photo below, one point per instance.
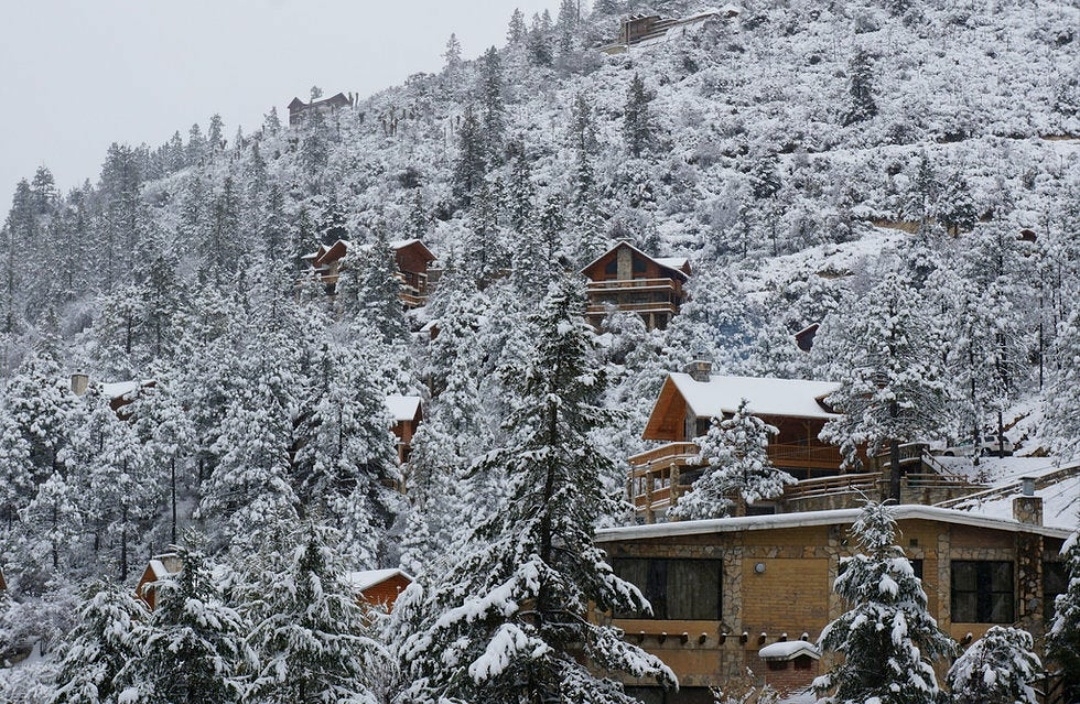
[
  {"x": 866, "y": 483},
  {"x": 653, "y": 307},
  {"x": 631, "y": 284},
  {"x": 805, "y": 455},
  {"x": 665, "y": 454}
]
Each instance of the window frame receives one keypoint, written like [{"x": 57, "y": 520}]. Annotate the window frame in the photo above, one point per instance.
[{"x": 986, "y": 594}]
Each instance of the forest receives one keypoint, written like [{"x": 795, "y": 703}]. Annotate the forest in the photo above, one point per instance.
[{"x": 889, "y": 169}]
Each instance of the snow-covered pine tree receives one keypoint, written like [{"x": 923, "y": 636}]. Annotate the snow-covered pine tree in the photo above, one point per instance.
[
  {"x": 510, "y": 622},
  {"x": 1063, "y": 640},
  {"x": 193, "y": 649},
  {"x": 861, "y": 89},
  {"x": 1062, "y": 424},
  {"x": 307, "y": 628},
  {"x": 346, "y": 462},
  {"x": 891, "y": 391},
  {"x": 639, "y": 130},
  {"x": 736, "y": 459},
  {"x": 997, "y": 669},
  {"x": 100, "y": 647},
  {"x": 887, "y": 636}
]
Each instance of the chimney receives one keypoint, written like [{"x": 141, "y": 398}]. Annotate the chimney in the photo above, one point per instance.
[
  {"x": 699, "y": 370},
  {"x": 79, "y": 382},
  {"x": 1028, "y": 508}
]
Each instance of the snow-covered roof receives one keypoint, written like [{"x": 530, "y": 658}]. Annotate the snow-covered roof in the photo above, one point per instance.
[
  {"x": 158, "y": 569},
  {"x": 789, "y": 650},
  {"x": 366, "y": 579},
  {"x": 793, "y": 398},
  {"x": 1058, "y": 487},
  {"x": 403, "y": 408},
  {"x": 805, "y": 519},
  {"x": 117, "y": 389},
  {"x": 664, "y": 262},
  {"x": 672, "y": 262}
]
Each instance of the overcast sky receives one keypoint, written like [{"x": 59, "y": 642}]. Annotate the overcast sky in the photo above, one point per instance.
[{"x": 77, "y": 75}]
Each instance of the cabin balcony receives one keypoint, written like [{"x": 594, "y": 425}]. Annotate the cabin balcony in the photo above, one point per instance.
[
  {"x": 602, "y": 289},
  {"x": 659, "y": 476}
]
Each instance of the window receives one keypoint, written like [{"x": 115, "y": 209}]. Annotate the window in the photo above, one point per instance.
[
  {"x": 982, "y": 592},
  {"x": 1055, "y": 581},
  {"x": 658, "y": 695},
  {"x": 676, "y": 589}
]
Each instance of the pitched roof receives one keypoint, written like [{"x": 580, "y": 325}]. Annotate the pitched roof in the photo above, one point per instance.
[
  {"x": 366, "y": 579},
  {"x": 793, "y": 398},
  {"x": 789, "y": 650},
  {"x": 806, "y": 519},
  {"x": 678, "y": 266},
  {"x": 403, "y": 408}
]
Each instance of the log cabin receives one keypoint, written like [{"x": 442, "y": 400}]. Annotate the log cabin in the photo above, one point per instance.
[
  {"x": 159, "y": 567},
  {"x": 373, "y": 588},
  {"x": 684, "y": 410},
  {"x": 407, "y": 412},
  {"x": 412, "y": 258},
  {"x": 753, "y": 593},
  {"x": 378, "y": 588},
  {"x": 626, "y": 279},
  {"x": 299, "y": 110}
]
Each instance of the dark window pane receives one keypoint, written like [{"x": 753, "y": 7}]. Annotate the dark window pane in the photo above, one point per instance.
[{"x": 982, "y": 592}]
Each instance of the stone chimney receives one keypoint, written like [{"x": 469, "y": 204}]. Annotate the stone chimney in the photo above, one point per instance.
[
  {"x": 699, "y": 370},
  {"x": 79, "y": 383},
  {"x": 1028, "y": 508}
]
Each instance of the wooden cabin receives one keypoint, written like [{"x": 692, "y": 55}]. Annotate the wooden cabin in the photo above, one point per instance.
[
  {"x": 407, "y": 412},
  {"x": 378, "y": 588},
  {"x": 120, "y": 393},
  {"x": 626, "y": 279},
  {"x": 412, "y": 258},
  {"x": 649, "y": 29},
  {"x": 159, "y": 567},
  {"x": 684, "y": 411},
  {"x": 299, "y": 110},
  {"x": 754, "y": 592}
]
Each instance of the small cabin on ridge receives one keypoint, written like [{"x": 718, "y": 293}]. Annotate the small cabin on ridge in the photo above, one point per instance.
[
  {"x": 626, "y": 279},
  {"x": 299, "y": 110}
]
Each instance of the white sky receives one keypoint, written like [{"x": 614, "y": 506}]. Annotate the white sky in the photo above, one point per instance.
[{"x": 77, "y": 75}]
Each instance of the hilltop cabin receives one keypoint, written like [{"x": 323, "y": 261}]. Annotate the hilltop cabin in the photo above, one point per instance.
[
  {"x": 407, "y": 412},
  {"x": 412, "y": 257},
  {"x": 626, "y": 279},
  {"x": 299, "y": 110},
  {"x": 639, "y": 30},
  {"x": 378, "y": 588},
  {"x": 753, "y": 593},
  {"x": 373, "y": 588}
]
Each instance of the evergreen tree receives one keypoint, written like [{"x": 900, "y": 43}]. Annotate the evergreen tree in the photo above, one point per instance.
[
  {"x": 736, "y": 459},
  {"x": 493, "y": 109},
  {"x": 860, "y": 90},
  {"x": 1062, "y": 425},
  {"x": 100, "y": 647},
  {"x": 887, "y": 636},
  {"x": 997, "y": 669},
  {"x": 891, "y": 391},
  {"x": 192, "y": 651},
  {"x": 307, "y": 628},
  {"x": 515, "y": 33},
  {"x": 510, "y": 624},
  {"x": 955, "y": 207},
  {"x": 345, "y": 463},
  {"x": 471, "y": 164},
  {"x": 1063, "y": 639},
  {"x": 638, "y": 122}
]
